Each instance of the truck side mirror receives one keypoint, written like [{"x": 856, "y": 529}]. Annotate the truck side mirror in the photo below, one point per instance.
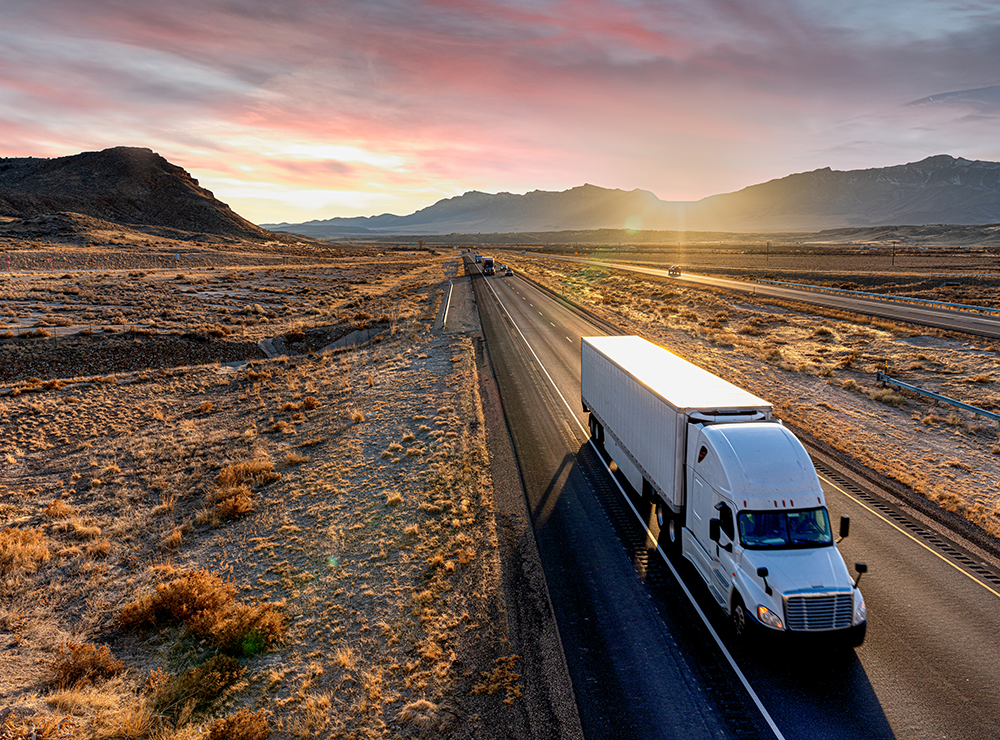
[
  {"x": 714, "y": 530},
  {"x": 861, "y": 568},
  {"x": 762, "y": 574},
  {"x": 845, "y": 526}
]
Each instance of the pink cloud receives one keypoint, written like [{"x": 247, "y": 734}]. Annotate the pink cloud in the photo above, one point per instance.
[{"x": 684, "y": 98}]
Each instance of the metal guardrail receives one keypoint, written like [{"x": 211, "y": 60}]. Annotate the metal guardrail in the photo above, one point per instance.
[
  {"x": 887, "y": 298},
  {"x": 886, "y": 380}
]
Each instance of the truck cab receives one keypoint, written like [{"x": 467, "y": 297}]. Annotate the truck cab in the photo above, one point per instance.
[{"x": 758, "y": 532}]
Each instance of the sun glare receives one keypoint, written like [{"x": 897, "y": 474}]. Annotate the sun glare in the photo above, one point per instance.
[{"x": 336, "y": 152}]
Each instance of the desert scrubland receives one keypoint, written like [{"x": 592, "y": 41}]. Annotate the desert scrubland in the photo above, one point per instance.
[
  {"x": 197, "y": 539},
  {"x": 818, "y": 367},
  {"x": 219, "y": 516}
]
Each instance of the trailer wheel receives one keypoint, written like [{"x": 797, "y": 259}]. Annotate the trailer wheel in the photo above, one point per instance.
[
  {"x": 670, "y": 528},
  {"x": 596, "y": 431}
]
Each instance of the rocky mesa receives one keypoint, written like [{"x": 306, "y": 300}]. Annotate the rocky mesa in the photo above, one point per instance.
[{"x": 123, "y": 185}]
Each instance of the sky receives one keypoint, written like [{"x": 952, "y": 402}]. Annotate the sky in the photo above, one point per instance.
[{"x": 293, "y": 110}]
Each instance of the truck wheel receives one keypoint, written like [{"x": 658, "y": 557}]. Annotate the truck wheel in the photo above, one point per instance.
[
  {"x": 670, "y": 528},
  {"x": 741, "y": 620},
  {"x": 596, "y": 431}
]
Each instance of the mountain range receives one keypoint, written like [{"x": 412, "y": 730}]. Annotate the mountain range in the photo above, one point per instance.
[
  {"x": 936, "y": 190},
  {"x": 123, "y": 185},
  {"x": 137, "y": 187}
]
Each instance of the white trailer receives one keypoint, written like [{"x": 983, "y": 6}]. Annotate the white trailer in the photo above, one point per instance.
[{"x": 735, "y": 492}]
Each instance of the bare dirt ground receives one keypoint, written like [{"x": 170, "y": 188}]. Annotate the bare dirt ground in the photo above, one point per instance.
[
  {"x": 198, "y": 539},
  {"x": 818, "y": 369}
]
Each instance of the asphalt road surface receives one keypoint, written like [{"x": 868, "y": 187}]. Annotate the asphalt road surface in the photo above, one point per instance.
[
  {"x": 644, "y": 661},
  {"x": 974, "y": 323}
]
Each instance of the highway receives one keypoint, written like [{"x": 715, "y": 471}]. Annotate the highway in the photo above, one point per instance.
[
  {"x": 941, "y": 318},
  {"x": 645, "y": 663}
]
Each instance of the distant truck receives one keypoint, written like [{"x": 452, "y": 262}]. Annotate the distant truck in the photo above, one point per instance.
[
  {"x": 488, "y": 268},
  {"x": 735, "y": 492},
  {"x": 479, "y": 258}
]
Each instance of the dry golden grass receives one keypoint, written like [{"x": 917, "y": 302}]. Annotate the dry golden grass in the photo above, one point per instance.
[
  {"x": 38, "y": 728},
  {"x": 792, "y": 356},
  {"x": 79, "y": 664},
  {"x": 294, "y": 458},
  {"x": 259, "y": 472},
  {"x": 501, "y": 677},
  {"x": 243, "y": 725},
  {"x": 22, "y": 550},
  {"x": 204, "y": 603},
  {"x": 320, "y": 560},
  {"x": 423, "y": 714},
  {"x": 59, "y": 509},
  {"x": 193, "y": 692}
]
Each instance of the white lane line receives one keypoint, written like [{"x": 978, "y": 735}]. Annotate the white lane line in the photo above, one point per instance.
[
  {"x": 704, "y": 619},
  {"x": 531, "y": 349},
  {"x": 551, "y": 324},
  {"x": 569, "y": 340},
  {"x": 447, "y": 304},
  {"x": 903, "y": 531}
]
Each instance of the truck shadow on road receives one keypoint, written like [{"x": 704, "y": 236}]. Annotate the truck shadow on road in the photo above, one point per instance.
[{"x": 810, "y": 689}]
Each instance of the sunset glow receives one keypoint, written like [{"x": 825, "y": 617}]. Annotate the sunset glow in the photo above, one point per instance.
[{"x": 299, "y": 110}]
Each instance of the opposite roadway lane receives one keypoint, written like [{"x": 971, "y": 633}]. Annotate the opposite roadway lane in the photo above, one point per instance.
[
  {"x": 644, "y": 664},
  {"x": 982, "y": 324}
]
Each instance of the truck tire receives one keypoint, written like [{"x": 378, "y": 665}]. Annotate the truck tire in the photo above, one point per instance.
[
  {"x": 670, "y": 528},
  {"x": 596, "y": 431},
  {"x": 742, "y": 621}
]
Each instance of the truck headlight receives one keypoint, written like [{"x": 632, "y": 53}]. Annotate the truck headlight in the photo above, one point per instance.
[
  {"x": 860, "y": 613},
  {"x": 767, "y": 617}
]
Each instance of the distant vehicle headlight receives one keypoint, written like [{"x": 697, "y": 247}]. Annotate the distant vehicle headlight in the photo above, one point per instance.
[
  {"x": 860, "y": 613},
  {"x": 767, "y": 617}
]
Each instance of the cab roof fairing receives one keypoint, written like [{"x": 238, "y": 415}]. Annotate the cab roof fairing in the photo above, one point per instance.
[{"x": 760, "y": 466}]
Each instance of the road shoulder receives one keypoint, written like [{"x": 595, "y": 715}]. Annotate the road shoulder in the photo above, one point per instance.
[{"x": 549, "y": 703}]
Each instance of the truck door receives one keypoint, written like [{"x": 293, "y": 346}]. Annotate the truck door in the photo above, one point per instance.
[
  {"x": 701, "y": 549},
  {"x": 725, "y": 550}
]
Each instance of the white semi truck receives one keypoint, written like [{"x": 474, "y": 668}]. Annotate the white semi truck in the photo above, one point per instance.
[{"x": 735, "y": 492}]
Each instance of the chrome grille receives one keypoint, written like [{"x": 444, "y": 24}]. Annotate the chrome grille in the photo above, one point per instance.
[{"x": 822, "y": 611}]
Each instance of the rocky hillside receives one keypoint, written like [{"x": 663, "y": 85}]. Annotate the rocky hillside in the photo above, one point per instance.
[
  {"x": 124, "y": 185},
  {"x": 936, "y": 190}
]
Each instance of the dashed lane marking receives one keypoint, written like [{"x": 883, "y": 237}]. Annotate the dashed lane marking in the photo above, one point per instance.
[{"x": 718, "y": 641}]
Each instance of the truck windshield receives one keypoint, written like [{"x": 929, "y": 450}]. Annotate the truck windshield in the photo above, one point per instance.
[{"x": 785, "y": 529}]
